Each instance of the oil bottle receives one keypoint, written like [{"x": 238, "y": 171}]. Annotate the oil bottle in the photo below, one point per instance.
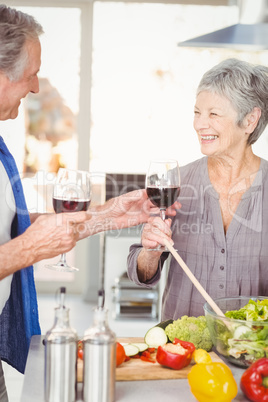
[
  {"x": 60, "y": 357},
  {"x": 99, "y": 359}
]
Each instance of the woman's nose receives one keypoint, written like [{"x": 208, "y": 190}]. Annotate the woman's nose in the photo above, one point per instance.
[{"x": 201, "y": 121}]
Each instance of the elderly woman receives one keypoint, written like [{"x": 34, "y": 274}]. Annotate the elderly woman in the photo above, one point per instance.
[{"x": 221, "y": 230}]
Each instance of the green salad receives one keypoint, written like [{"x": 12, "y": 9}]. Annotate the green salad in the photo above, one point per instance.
[{"x": 244, "y": 341}]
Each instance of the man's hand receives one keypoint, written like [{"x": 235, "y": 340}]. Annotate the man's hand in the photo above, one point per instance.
[
  {"x": 127, "y": 210},
  {"x": 48, "y": 236},
  {"x": 53, "y": 234}
]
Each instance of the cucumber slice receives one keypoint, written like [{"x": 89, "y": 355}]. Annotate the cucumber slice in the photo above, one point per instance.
[
  {"x": 141, "y": 346},
  {"x": 131, "y": 350},
  {"x": 155, "y": 337},
  {"x": 240, "y": 331}
]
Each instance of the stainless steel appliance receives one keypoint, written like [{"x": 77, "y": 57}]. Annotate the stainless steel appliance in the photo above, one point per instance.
[
  {"x": 133, "y": 301},
  {"x": 251, "y": 33}
]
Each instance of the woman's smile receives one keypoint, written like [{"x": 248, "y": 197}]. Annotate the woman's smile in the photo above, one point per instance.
[{"x": 215, "y": 122}]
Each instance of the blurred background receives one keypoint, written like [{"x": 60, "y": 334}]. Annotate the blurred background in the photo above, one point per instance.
[{"x": 117, "y": 89}]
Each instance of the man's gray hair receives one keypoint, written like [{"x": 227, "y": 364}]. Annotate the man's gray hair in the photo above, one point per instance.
[
  {"x": 245, "y": 85},
  {"x": 16, "y": 28}
]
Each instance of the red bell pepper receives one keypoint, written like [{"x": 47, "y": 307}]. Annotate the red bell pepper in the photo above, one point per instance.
[
  {"x": 146, "y": 357},
  {"x": 167, "y": 355},
  {"x": 254, "y": 381}
]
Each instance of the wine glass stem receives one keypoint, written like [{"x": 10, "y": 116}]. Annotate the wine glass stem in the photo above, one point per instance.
[
  {"x": 63, "y": 259},
  {"x": 163, "y": 213}
]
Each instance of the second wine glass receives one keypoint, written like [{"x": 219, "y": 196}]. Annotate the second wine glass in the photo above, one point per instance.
[
  {"x": 71, "y": 193},
  {"x": 163, "y": 184}
]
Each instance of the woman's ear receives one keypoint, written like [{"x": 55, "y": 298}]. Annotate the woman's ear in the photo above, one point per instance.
[{"x": 251, "y": 120}]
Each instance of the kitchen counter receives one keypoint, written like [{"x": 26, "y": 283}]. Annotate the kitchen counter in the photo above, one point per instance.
[{"x": 127, "y": 391}]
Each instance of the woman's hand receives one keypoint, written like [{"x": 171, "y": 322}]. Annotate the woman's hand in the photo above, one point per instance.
[{"x": 154, "y": 231}]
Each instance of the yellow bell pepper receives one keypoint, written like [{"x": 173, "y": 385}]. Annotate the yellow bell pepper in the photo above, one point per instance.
[
  {"x": 201, "y": 356},
  {"x": 212, "y": 382}
]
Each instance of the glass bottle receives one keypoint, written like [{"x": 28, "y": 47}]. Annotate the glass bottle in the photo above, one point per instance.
[
  {"x": 60, "y": 357},
  {"x": 99, "y": 360}
]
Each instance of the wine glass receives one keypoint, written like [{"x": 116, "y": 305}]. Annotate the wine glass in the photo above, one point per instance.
[
  {"x": 71, "y": 193},
  {"x": 163, "y": 185}
]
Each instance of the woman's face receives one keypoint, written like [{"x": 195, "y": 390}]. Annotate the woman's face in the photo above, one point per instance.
[{"x": 216, "y": 127}]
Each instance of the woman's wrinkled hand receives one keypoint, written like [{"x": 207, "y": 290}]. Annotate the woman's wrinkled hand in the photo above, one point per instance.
[{"x": 154, "y": 231}]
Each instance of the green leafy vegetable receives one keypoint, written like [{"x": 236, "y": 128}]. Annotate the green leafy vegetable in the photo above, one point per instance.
[
  {"x": 191, "y": 329},
  {"x": 246, "y": 342},
  {"x": 253, "y": 311}
]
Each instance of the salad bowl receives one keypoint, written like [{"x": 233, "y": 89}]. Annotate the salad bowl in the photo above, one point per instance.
[{"x": 241, "y": 336}]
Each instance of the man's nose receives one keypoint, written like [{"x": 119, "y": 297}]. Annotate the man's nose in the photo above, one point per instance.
[{"x": 35, "y": 86}]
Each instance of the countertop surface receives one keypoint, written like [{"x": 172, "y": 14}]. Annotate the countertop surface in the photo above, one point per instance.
[{"x": 127, "y": 391}]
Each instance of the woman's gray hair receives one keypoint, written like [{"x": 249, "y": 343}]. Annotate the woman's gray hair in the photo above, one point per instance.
[
  {"x": 16, "y": 28},
  {"x": 245, "y": 85}
]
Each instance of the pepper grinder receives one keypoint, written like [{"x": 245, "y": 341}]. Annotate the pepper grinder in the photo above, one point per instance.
[
  {"x": 60, "y": 357},
  {"x": 99, "y": 360}
]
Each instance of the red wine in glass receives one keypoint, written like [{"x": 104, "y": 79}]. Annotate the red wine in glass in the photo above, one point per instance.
[
  {"x": 71, "y": 193},
  {"x": 163, "y": 184},
  {"x": 62, "y": 205},
  {"x": 163, "y": 197}
]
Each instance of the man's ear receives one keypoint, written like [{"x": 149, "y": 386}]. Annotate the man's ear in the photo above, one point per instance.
[{"x": 251, "y": 120}]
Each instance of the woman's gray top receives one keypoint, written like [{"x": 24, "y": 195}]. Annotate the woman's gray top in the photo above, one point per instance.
[{"x": 231, "y": 264}]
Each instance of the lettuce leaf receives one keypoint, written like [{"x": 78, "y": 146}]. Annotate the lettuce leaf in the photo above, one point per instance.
[{"x": 253, "y": 311}]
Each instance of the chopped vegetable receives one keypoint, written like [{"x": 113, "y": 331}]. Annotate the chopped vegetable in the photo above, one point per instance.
[
  {"x": 175, "y": 355},
  {"x": 212, "y": 382},
  {"x": 80, "y": 354},
  {"x": 254, "y": 381},
  {"x": 141, "y": 346},
  {"x": 155, "y": 337},
  {"x": 139, "y": 350},
  {"x": 120, "y": 354},
  {"x": 131, "y": 350},
  {"x": 252, "y": 311},
  {"x": 246, "y": 342},
  {"x": 146, "y": 356},
  {"x": 191, "y": 329},
  {"x": 201, "y": 356},
  {"x": 80, "y": 350}
]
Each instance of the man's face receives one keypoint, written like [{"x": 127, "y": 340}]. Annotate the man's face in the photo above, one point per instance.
[{"x": 12, "y": 92}]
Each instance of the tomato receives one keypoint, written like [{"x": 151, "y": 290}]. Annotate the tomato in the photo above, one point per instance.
[
  {"x": 80, "y": 351},
  {"x": 80, "y": 354},
  {"x": 120, "y": 354}
]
